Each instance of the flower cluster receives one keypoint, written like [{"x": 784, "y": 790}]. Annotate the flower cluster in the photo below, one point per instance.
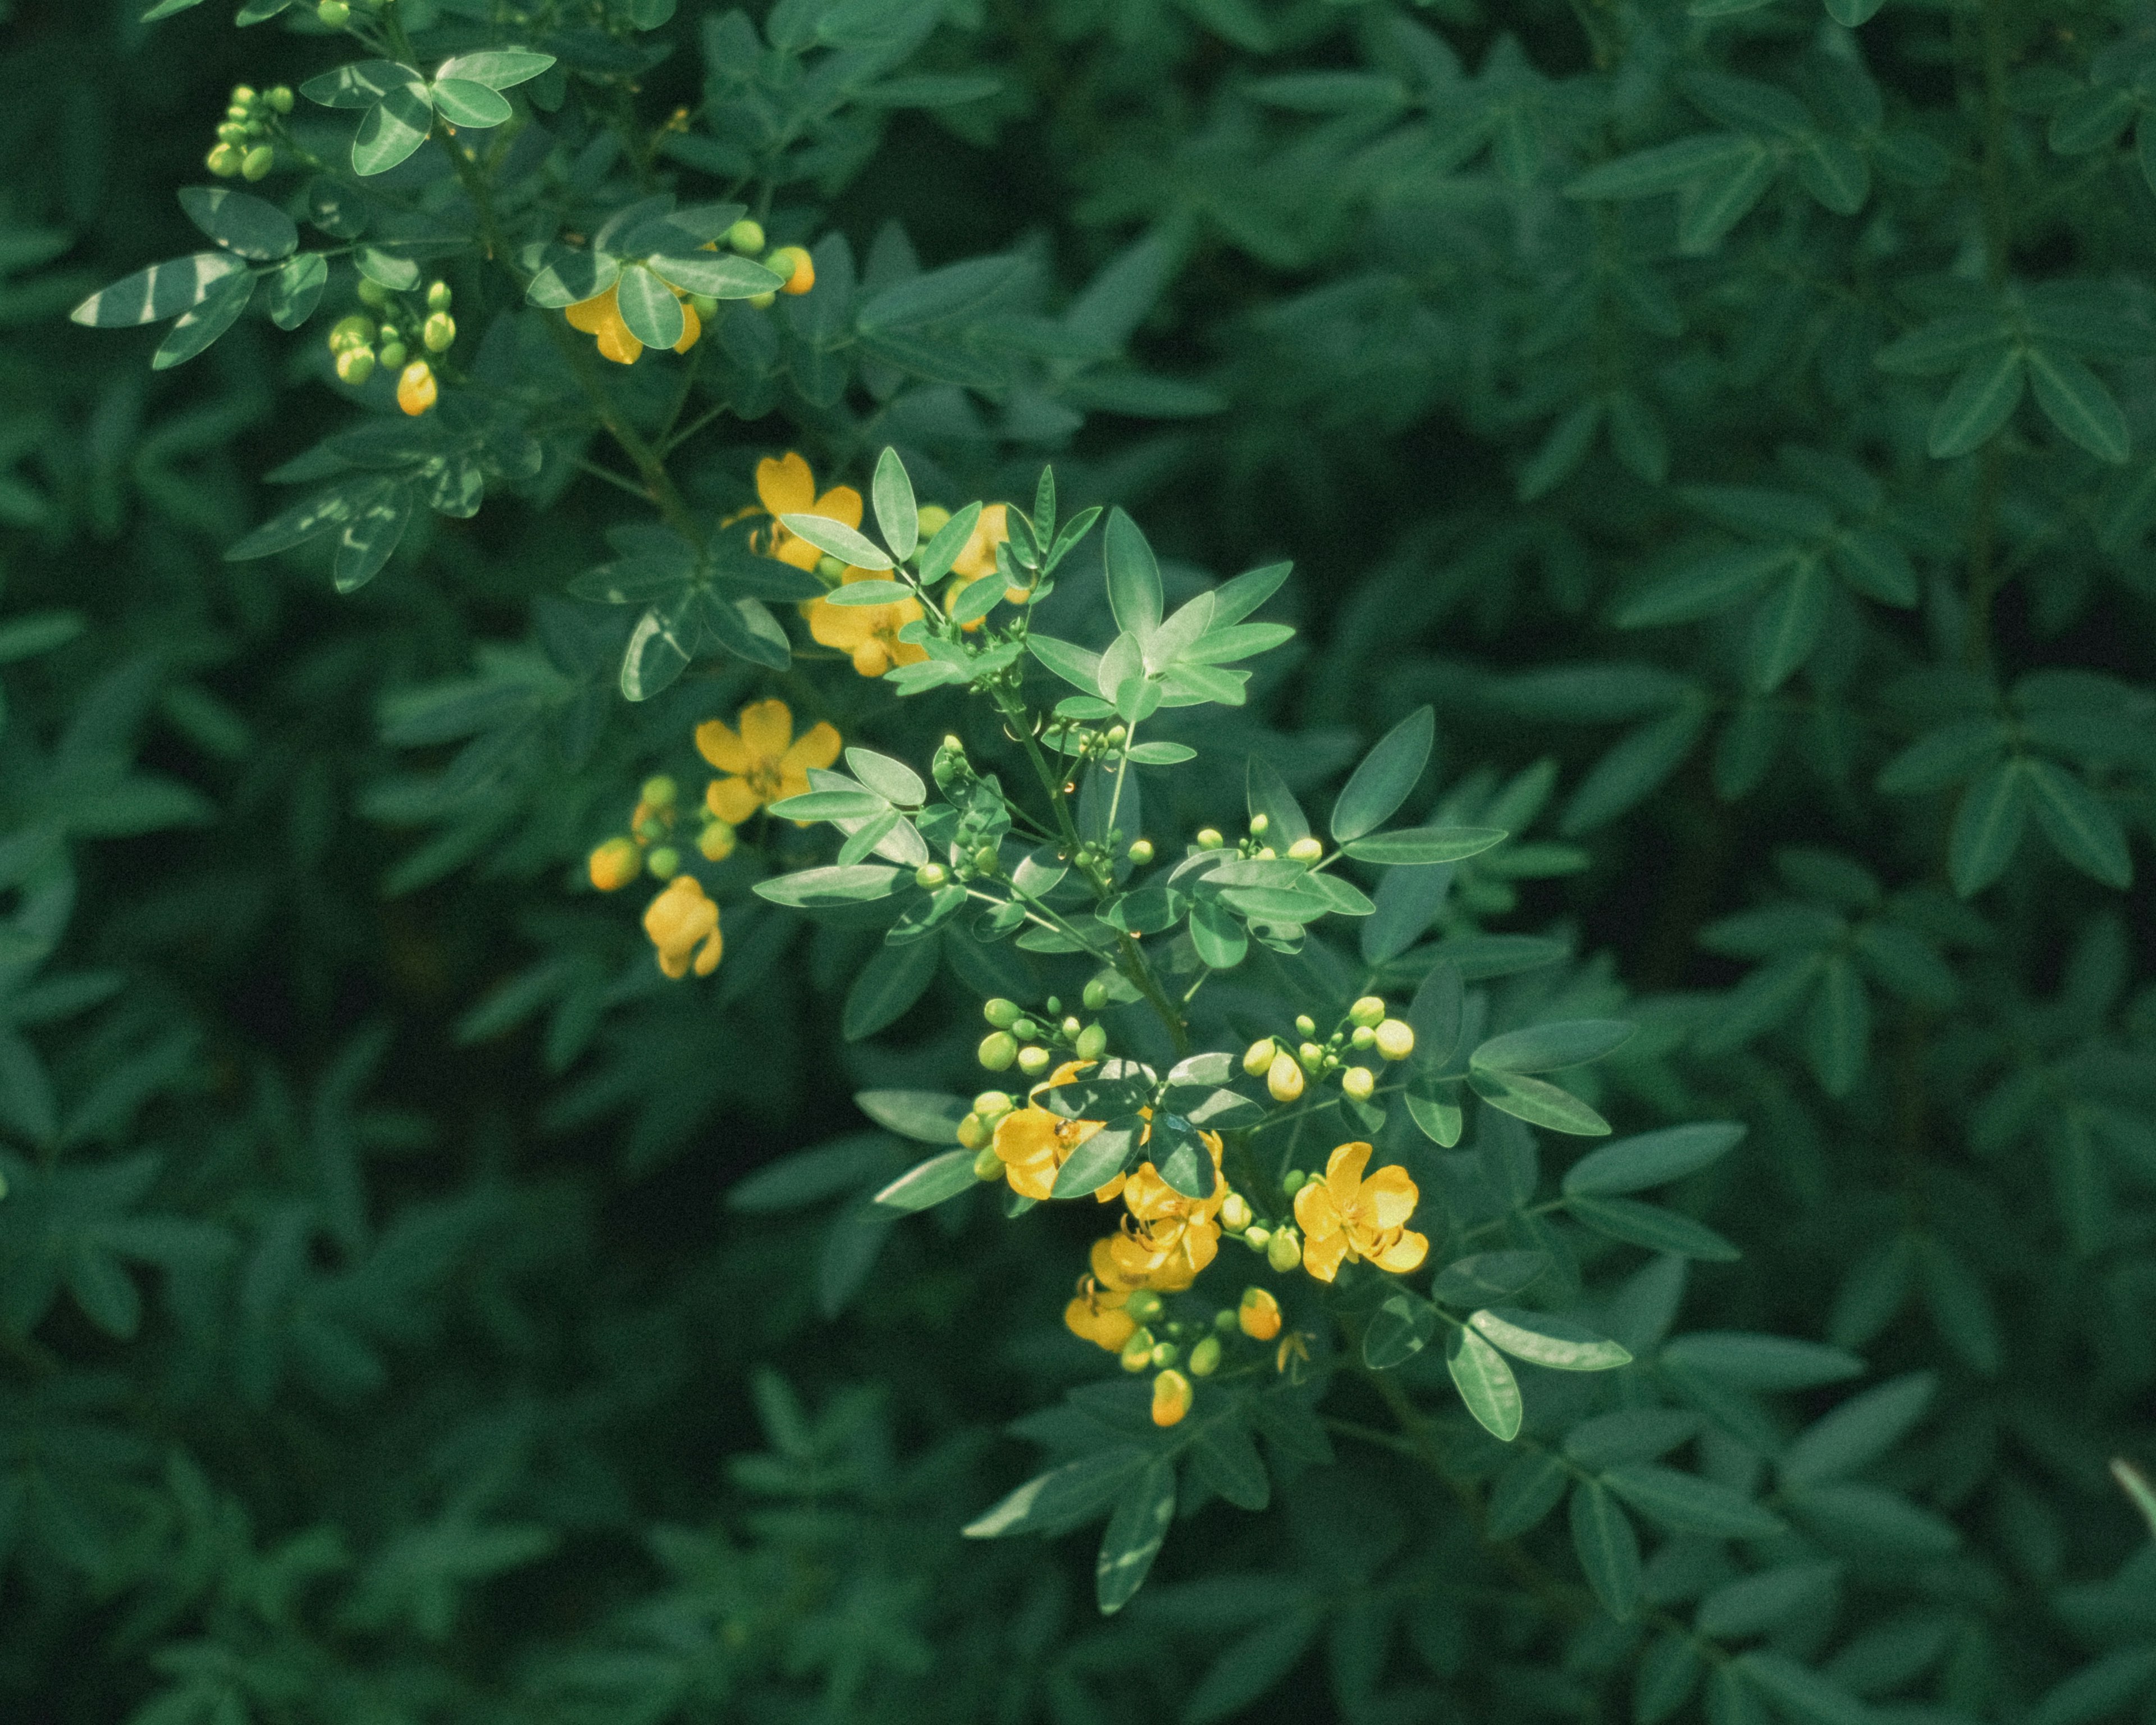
[
  {"x": 357, "y": 343},
  {"x": 600, "y": 315},
  {"x": 245, "y": 144}
]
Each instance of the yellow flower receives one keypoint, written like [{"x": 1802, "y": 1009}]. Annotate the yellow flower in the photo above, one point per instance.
[
  {"x": 614, "y": 863},
  {"x": 765, "y": 763},
  {"x": 682, "y": 921},
  {"x": 1344, "y": 1216},
  {"x": 1172, "y": 1396},
  {"x": 1096, "y": 1315},
  {"x": 1033, "y": 1144},
  {"x": 415, "y": 388},
  {"x": 600, "y": 315},
  {"x": 868, "y": 632},
  {"x": 787, "y": 487},
  {"x": 1259, "y": 1316}
]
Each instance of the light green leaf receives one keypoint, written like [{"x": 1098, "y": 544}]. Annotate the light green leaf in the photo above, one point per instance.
[
  {"x": 835, "y": 538},
  {"x": 196, "y": 330},
  {"x": 1651, "y": 1158},
  {"x": 1537, "y": 1103},
  {"x": 161, "y": 291},
  {"x": 898, "y": 518},
  {"x": 1135, "y": 1533},
  {"x": 1608, "y": 1548},
  {"x": 856, "y": 883},
  {"x": 1134, "y": 592},
  {"x": 393, "y": 128},
  {"x": 497, "y": 67},
  {"x": 463, "y": 101},
  {"x": 240, "y": 223},
  {"x": 1486, "y": 1383},
  {"x": 931, "y": 1182},
  {"x": 1399, "y": 1329},
  {"x": 1546, "y": 1340},
  {"x": 1385, "y": 776}
]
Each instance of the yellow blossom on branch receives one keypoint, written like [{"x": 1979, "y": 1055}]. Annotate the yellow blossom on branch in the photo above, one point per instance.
[
  {"x": 1344, "y": 1217},
  {"x": 600, "y": 315},
  {"x": 786, "y": 485},
  {"x": 764, "y": 760},
  {"x": 1096, "y": 1315},
  {"x": 868, "y": 634},
  {"x": 683, "y": 925},
  {"x": 1032, "y": 1143}
]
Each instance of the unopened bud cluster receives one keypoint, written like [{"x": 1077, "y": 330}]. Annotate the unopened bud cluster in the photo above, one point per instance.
[
  {"x": 649, "y": 846},
  {"x": 245, "y": 147},
  {"x": 358, "y": 343},
  {"x": 1366, "y": 1028},
  {"x": 1030, "y": 1043}
]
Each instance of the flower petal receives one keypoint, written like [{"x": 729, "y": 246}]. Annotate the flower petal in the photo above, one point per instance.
[
  {"x": 717, "y": 743},
  {"x": 845, "y": 627},
  {"x": 785, "y": 486},
  {"x": 616, "y": 344},
  {"x": 841, "y": 503},
  {"x": 1315, "y": 1212},
  {"x": 1390, "y": 1197},
  {"x": 1403, "y": 1253},
  {"x": 767, "y": 728},
  {"x": 816, "y": 747},
  {"x": 733, "y": 800},
  {"x": 1322, "y": 1257},
  {"x": 1343, "y": 1170},
  {"x": 691, "y": 327},
  {"x": 594, "y": 314}
]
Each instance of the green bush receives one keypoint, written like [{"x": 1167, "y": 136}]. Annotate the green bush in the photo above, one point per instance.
[{"x": 1678, "y": 820}]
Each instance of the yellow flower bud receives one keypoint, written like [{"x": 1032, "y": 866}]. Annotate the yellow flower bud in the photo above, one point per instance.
[
  {"x": 796, "y": 265},
  {"x": 415, "y": 388},
  {"x": 1259, "y": 823},
  {"x": 1257, "y": 1236},
  {"x": 973, "y": 1132},
  {"x": 1311, "y": 1056},
  {"x": 1284, "y": 1078},
  {"x": 1358, "y": 1082},
  {"x": 1259, "y": 1316},
  {"x": 1137, "y": 1353},
  {"x": 614, "y": 863},
  {"x": 1205, "y": 1357},
  {"x": 1284, "y": 1250},
  {"x": 243, "y": 95},
  {"x": 1033, "y": 1059},
  {"x": 1367, "y": 1012},
  {"x": 1305, "y": 1025},
  {"x": 438, "y": 332},
  {"x": 992, "y": 1105},
  {"x": 1395, "y": 1039},
  {"x": 1305, "y": 851},
  {"x": 354, "y": 330},
  {"x": 997, "y": 1050},
  {"x": 987, "y": 1164},
  {"x": 1362, "y": 1036},
  {"x": 1172, "y": 1397},
  {"x": 1235, "y": 1214},
  {"x": 1001, "y": 1013},
  {"x": 438, "y": 296},
  {"x": 356, "y": 365},
  {"x": 1209, "y": 839},
  {"x": 1259, "y": 1056},
  {"x": 1141, "y": 851},
  {"x": 716, "y": 843},
  {"x": 1092, "y": 1042}
]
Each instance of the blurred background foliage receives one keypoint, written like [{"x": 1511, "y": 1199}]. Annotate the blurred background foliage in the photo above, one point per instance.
[{"x": 1736, "y": 419}]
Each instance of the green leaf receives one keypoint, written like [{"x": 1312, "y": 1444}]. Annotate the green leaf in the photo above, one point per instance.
[
  {"x": 1484, "y": 1276},
  {"x": 296, "y": 289},
  {"x": 1134, "y": 593},
  {"x": 928, "y": 1115},
  {"x": 1135, "y": 1533},
  {"x": 1437, "y": 1115},
  {"x": 1708, "y": 208},
  {"x": 1266, "y": 792},
  {"x": 1986, "y": 827},
  {"x": 1687, "y": 1504},
  {"x": 1385, "y": 776},
  {"x": 1486, "y": 1383},
  {"x": 1414, "y": 845},
  {"x": 2075, "y": 399},
  {"x": 1834, "y": 172},
  {"x": 1665, "y": 167},
  {"x": 1651, "y": 1226},
  {"x": 1787, "y": 626},
  {"x": 1064, "y": 1496},
  {"x": 1651, "y": 1158},
  {"x": 391, "y": 270},
  {"x": 1838, "y": 1027},
  {"x": 240, "y": 223},
  {"x": 1633, "y": 769},
  {"x": 1218, "y": 934},
  {"x": 930, "y": 1182},
  {"x": 2101, "y": 1689},
  {"x": 378, "y": 523},
  {"x": 1942, "y": 756},
  {"x": 652, "y": 314},
  {"x": 1224, "y": 1458},
  {"x": 831, "y": 805},
  {"x": 1706, "y": 586},
  {"x": 1627, "y": 1435},
  {"x": 1668, "y": 1672},
  {"x": 1758, "y": 1603},
  {"x": 1399, "y": 1329},
  {"x": 834, "y": 538},
  {"x": 196, "y": 329},
  {"x": 888, "y": 985},
  {"x": 1103, "y": 1155},
  {"x": 1250, "y": 1665},
  {"x": 856, "y": 883},
  {"x": 1850, "y": 13},
  {"x": 40, "y": 632},
  {"x": 658, "y": 650},
  {"x": 392, "y": 129},
  {"x": 1983, "y": 398},
  {"x": 166, "y": 9},
  {"x": 1551, "y": 1048},
  {"x": 1537, "y": 1103},
  {"x": 566, "y": 276},
  {"x": 898, "y": 518},
  {"x": 719, "y": 274},
  {"x": 1546, "y": 1340},
  {"x": 161, "y": 291},
  {"x": 1759, "y": 1361},
  {"x": 1798, "y": 1692},
  {"x": 1859, "y": 1432},
  {"x": 2082, "y": 828},
  {"x": 361, "y": 85},
  {"x": 1608, "y": 1548},
  {"x": 497, "y": 67},
  {"x": 464, "y": 101}
]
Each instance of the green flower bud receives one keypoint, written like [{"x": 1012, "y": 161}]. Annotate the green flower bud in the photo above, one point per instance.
[
  {"x": 1293, "y": 1181},
  {"x": 764, "y": 302},
  {"x": 1069, "y": 1027},
  {"x": 661, "y": 792},
  {"x": 1358, "y": 1082},
  {"x": 1259, "y": 823},
  {"x": 1235, "y": 1212},
  {"x": 393, "y": 355},
  {"x": 356, "y": 331},
  {"x": 1164, "y": 1355},
  {"x": 992, "y": 1105},
  {"x": 1205, "y": 1357},
  {"x": 1368, "y": 1012},
  {"x": 987, "y": 1165},
  {"x": 1096, "y": 995},
  {"x": 237, "y": 114},
  {"x": 708, "y": 308},
  {"x": 439, "y": 295},
  {"x": 1092, "y": 1043},
  {"x": 1145, "y": 1305},
  {"x": 931, "y": 875},
  {"x": 1225, "y": 1320},
  {"x": 988, "y": 861},
  {"x": 997, "y": 1050},
  {"x": 1138, "y": 1351},
  {"x": 1257, "y": 1236},
  {"x": 1284, "y": 1250},
  {"x": 243, "y": 95},
  {"x": 1264, "y": 853},
  {"x": 231, "y": 133},
  {"x": 224, "y": 160},
  {"x": 333, "y": 12},
  {"x": 1209, "y": 839},
  {"x": 372, "y": 293},
  {"x": 1025, "y": 1028},
  {"x": 1395, "y": 1039},
  {"x": 932, "y": 518},
  {"x": 438, "y": 332},
  {"x": 257, "y": 129},
  {"x": 280, "y": 98},
  {"x": 1055, "y": 1007},
  {"x": 1311, "y": 1056},
  {"x": 1363, "y": 1036},
  {"x": 746, "y": 236},
  {"x": 1305, "y": 1025},
  {"x": 663, "y": 861},
  {"x": 1033, "y": 1059},
  {"x": 1001, "y": 1013},
  {"x": 1141, "y": 851},
  {"x": 1305, "y": 851},
  {"x": 973, "y": 1132},
  {"x": 355, "y": 366}
]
